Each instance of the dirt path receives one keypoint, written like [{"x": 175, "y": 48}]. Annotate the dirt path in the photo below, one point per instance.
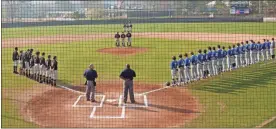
[
  {"x": 52, "y": 107},
  {"x": 215, "y": 37}
]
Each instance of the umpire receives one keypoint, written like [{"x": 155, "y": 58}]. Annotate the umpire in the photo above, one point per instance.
[
  {"x": 127, "y": 75},
  {"x": 90, "y": 75}
]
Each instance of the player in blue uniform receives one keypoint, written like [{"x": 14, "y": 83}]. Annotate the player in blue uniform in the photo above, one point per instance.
[
  {"x": 254, "y": 49},
  {"x": 237, "y": 55},
  {"x": 251, "y": 52},
  {"x": 219, "y": 59},
  {"x": 173, "y": 67},
  {"x": 200, "y": 64},
  {"x": 214, "y": 61},
  {"x": 268, "y": 50},
  {"x": 259, "y": 50},
  {"x": 224, "y": 59},
  {"x": 205, "y": 64},
  {"x": 247, "y": 53},
  {"x": 264, "y": 50},
  {"x": 187, "y": 68},
  {"x": 181, "y": 72},
  {"x": 210, "y": 55},
  {"x": 242, "y": 57},
  {"x": 233, "y": 61},
  {"x": 193, "y": 67},
  {"x": 229, "y": 58}
]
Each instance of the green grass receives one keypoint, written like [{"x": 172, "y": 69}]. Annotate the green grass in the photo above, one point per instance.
[
  {"x": 248, "y": 93},
  {"x": 243, "y": 28}
]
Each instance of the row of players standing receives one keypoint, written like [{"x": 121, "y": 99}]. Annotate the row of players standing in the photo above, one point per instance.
[
  {"x": 213, "y": 62},
  {"x": 36, "y": 67},
  {"x": 127, "y": 28}
]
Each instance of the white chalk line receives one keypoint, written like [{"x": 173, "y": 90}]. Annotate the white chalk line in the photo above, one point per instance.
[
  {"x": 122, "y": 116},
  {"x": 154, "y": 90},
  {"x": 133, "y": 105},
  {"x": 266, "y": 122},
  {"x": 70, "y": 89},
  {"x": 101, "y": 104}
]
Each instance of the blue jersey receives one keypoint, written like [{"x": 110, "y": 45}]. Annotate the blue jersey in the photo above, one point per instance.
[
  {"x": 205, "y": 57},
  {"x": 260, "y": 47},
  {"x": 243, "y": 49},
  {"x": 268, "y": 45},
  {"x": 181, "y": 62},
  {"x": 264, "y": 45},
  {"x": 248, "y": 47},
  {"x": 194, "y": 59},
  {"x": 214, "y": 55},
  {"x": 200, "y": 58},
  {"x": 210, "y": 54},
  {"x": 229, "y": 52},
  {"x": 233, "y": 51},
  {"x": 237, "y": 51},
  {"x": 220, "y": 53},
  {"x": 174, "y": 64},
  {"x": 187, "y": 61},
  {"x": 224, "y": 53}
]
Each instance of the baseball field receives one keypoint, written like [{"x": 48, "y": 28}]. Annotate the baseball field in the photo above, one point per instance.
[{"x": 243, "y": 98}]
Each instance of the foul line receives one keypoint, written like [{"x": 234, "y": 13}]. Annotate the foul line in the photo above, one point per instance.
[
  {"x": 153, "y": 90},
  {"x": 70, "y": 89},
  {"x": 266, "y": 122}
]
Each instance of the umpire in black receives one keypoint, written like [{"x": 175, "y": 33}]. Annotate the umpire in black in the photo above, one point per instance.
[
  {"x": 90, "y": 74},
  {"x": 127, "y": 75}
]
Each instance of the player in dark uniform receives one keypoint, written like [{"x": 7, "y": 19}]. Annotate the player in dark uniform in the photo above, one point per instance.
[
  {"x": 48, "y": 70},
  {"x": 27, "y": 62},
  {"x": 129, "y": 26},
  {"x": 54, "y": 68},
  {"x": 117, "y": 39},
  {"x": 125, "y": 27},
  {"x": 42, "y": 68},
  {"x": 15, "y": 58},
  {"x": 21, "y": 62},
  {"x": 128, "y": 35},
  {"x": 32, "y": 63},
  {"x": 123, "y": 36},
  {"x": 36, "y": 66}
]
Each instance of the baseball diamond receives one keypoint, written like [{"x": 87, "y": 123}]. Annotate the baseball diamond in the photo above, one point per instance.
[{"x": 192, "y": 75}]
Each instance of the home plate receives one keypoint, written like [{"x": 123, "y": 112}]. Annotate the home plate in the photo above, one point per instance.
[{"x": 111, "y": 100}]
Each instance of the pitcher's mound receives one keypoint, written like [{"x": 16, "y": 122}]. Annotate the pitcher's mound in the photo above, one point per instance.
[{"x": 123, "y": 50}]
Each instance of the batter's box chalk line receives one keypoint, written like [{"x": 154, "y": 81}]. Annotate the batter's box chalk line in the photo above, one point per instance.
[
  {"x": 133, "y": 105},
  {"x": 122, "y": 116},
  {"x": 90, "y": 105}
]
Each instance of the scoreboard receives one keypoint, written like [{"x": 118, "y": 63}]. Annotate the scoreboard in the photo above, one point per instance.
[{"x": 239, "y": 7}]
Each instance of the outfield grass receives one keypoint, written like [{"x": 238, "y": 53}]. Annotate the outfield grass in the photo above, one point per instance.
[
  {"x": 243, "y": 28},
  {"x": 248, "y": 94}
]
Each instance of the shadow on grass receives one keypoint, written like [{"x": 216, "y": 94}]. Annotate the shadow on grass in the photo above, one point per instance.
[{"x": 240, "y": 80}]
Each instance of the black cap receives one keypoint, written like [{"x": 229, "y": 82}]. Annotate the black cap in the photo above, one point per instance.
[
  {"x": 192, "y": 53},
  {"x": 205, "y": 51},
  {"x": 16, "y": 48},
  {"x": 173, "y": 57},
  {"x": 49, "y": 56},
  {"x": 55, "y": 57},
  {"x": 43, "y": 53},
  {"x": 218, "y": 46},
  {"x": 180, "y": 55},
  {"x": 186, "y": 55},
  {"x": 128, "y": 66}
]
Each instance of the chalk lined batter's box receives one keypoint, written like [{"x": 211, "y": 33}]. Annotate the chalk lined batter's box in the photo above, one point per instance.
[
  {"x": 82, "y": 102},
  {"x": 141, "y": 101}
]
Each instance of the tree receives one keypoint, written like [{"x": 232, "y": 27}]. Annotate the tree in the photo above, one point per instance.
[{"x": 76, "y": 15}]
